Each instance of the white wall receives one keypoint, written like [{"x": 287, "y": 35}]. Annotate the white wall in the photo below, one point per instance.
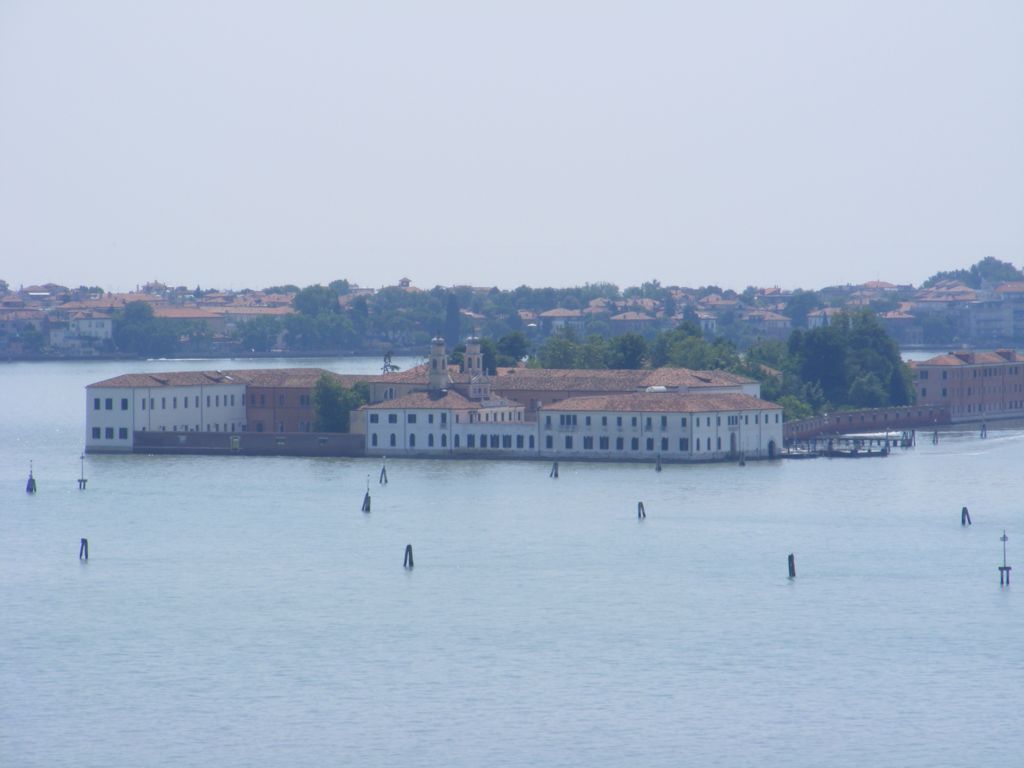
[{"x": 162, "y": 409}]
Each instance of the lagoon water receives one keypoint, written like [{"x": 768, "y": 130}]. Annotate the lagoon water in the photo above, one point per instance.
[{"x": 243, "y": 611}]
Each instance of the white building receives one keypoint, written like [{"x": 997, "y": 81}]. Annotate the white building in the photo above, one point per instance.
[
  {"x": 669, "y": 425},
  {"x": 635, "y": 426},
  {"x": 189, "y": 401}
]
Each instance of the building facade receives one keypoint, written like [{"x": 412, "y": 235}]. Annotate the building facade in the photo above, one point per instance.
[{"x": 973, "y": 386}]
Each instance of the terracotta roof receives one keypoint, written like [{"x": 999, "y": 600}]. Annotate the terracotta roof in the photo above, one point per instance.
[
  {"x": 171, "y": 379},
  {"x": 583, "y": 380},
  {"x": 446, "y": 398},
  {"x": 626, "y": 316},
  {"x": 973, "y": 358},
  {"x": 562, "y": 313},
  {"x": 257, "y": 377},
  {"x": 663, "y": 402}
]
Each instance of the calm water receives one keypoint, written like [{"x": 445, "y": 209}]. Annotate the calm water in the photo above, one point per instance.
[{"x": 242, "y": 611}]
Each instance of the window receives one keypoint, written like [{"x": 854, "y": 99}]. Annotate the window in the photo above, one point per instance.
[
  {"x": 588, "y": 443},
  {"x": 506, "y": 441},
  {"x": 457, "y": 440},
  {"x": 586, "y": 421},
  {"x": 547, "y": 421},
  {"x": 444, "y": 440},
  {"x": 95, "y": 433},
  {"x": 531, "y": 442},
  {"x": 109, "y": 403},
  {"x": 392, "y": 418},
  {"x": 208, "y": 400},
  {"x": 519, "y": 441},
  {"x": 604, "y": 421},
  {"x": 444, "y": 418},
  {"x": 682, "y": 422},
  {"x": 392, "y": 440},
  {"x": 664, "y": 443},
  {"x": 684, "y": 444},
  {"x": 650, "y": 443},
  {"x": 924, "y": 391},
  {"x": 411, "y": 418},
  {"x": 549, "y": 442},
  {"x": 647, "y": 422},
  {"x": 163, "y": 403},
  {"x": 216, "y": 401},
  {"x": 152, "y": 403},
  {"x": 174, "y": 403},
  {"x": 924, "y": 375},
  {"x": 263, "y": 400},
  {"x": 430, "y": 440},
  {"x": 373, "y": 439},
  {"x": 634, "y": 444},
  {"x": 184, "y": 401},
  {"x": 374, "y": 418},
  {"x": 719, "y": 443},
  {"x": 471, "y": 441},
  {"x": 568, "y": 442},
  {"x": 197, "y": 401},
  {"x": 603, "y": 443},
  {"x": 122, "y": 433},
  {"x": 633, "y": 420},
  {"x": 124, "y": 403},
  {"x": 618, "y": 421},
  {"x": 620, "y": 443},
  {"x": 96, "y": 404},
  {"x": 412, "y": 440},
  {"x": 943, "y": 391},
  {"x": 108, "y": 433},
  {"x": 143, "y": 403},
  {"x": 430, "y": 418},
  {"x": 664, "y": 422},
  {"x": 718, "y": 421}
]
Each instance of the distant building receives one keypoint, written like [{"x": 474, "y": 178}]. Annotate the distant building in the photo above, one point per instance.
[{"x": 974, "y": 386}]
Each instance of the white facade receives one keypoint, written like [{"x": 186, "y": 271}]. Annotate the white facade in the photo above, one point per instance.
[
  {"x": 114, "y": 413},
  {"x": 703, "y": 435},
  {"x": 642, "y": 426}
]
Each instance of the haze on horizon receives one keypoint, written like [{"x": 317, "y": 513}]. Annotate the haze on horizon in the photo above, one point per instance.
[{"x": 246, "y": 144}]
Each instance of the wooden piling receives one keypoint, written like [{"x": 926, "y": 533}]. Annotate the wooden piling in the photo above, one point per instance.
[
  {"x": 965, "y": 517},
  {"x": 407, "y": 561},
  {"x": 641, "y": 513},
  {"x": 366, "y": 502},
  {"x": 792, "y": 566},
  {"x": 554, "y": 471},
  {"x": 83, "y": 550}
]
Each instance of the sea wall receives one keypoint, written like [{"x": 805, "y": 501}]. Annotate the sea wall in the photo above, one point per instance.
[{"x": 250, "y": 443}]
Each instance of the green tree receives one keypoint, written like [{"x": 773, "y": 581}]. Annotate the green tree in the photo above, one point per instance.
[
  {"x": 512, "y": 348},
  {"x": 333, "y": 404},
  {"x": 315, "y": 300},
  {"x": 627, "y": 352}
]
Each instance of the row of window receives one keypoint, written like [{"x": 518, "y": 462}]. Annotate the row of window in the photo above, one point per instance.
[
  {"x": 570, "y": 420},
  {"x": 108, "y": 403},
  {"x": 108, "y": 433},
  {"x": 604, "y": 443},
  {"x": 485, "y": 441},
  {"x": 1012, "y": 370}
]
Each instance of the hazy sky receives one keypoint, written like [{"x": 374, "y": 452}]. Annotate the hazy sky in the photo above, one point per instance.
[{"x": 242, "y": 144}]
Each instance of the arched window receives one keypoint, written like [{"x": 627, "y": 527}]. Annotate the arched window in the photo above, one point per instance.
[
  {"x": 444, "y": 440},
  {"x": 412, "y": 441}
]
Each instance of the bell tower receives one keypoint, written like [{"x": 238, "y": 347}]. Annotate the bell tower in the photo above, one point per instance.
[
  {"x": 438, "y": 372},
  {"x": 474, "y": 358}
]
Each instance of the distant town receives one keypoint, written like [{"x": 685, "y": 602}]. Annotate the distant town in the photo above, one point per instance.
[{"x": 980, "y": 306}]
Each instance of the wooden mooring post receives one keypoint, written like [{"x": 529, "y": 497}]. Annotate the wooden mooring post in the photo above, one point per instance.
[
  {"x": 1004, "y": 569},
  {"x": 965, "y": 517},
  {"x": 792, "y": 566},
  {"x": 83, "y": 550},
  {"x": 407, "y": 561}
]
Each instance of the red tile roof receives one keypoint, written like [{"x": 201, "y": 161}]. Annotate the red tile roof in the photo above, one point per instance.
[{"x": 446, "y": 398}]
